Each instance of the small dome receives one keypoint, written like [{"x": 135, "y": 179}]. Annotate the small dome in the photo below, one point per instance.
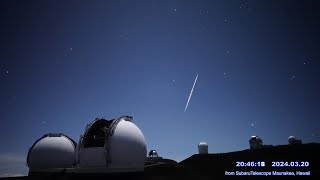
[
  {"x": 203, "y": 148},
  {"x": 255, "y": 138},
  {"x": 293, "y": 141},
  {"x": 255, "y": 142},
  {"x": 291, "y": 138},
  {"x": 153, "y": 153},
  {"x": 52, "y": 151}
]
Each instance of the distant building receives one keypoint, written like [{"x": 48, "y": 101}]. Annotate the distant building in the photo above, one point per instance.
[
  {"x": 154, "y": 156},
  {"x": 293, "y": 141},
  {"x": 106, "y": 146},
  {"x": 153, "y": 153},
  {"x": 255, "y": 142},
  {"x": 203, "y": 148}
]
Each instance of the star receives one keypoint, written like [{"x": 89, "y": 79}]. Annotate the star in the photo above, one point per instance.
[
  {"x": 175, "y": 9},
  {"x": 70, "y": 49},
  {"x": 124, "y": 36},
  {"x": 7, "y": 71},
  {"x": 293, "y": 77},
  {"x": 225, "y": 75},
  {"x": 244, "y": 4}
]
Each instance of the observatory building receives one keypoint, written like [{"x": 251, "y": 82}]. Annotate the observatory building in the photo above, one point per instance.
[
  {"x": 154, "y": 159},
  {"x": 52, "y": 151},
  {"x": 203, "y": 148},
  {"x": 293, "y": 141},
  {"x": 153, "y": 154},
  {"x": 255, "y": 142},
  {"x": 106, "y": 146}
]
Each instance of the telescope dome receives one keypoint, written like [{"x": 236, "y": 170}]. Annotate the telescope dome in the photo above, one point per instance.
[
  {"x": 203, "y": 148},
  {"x": 127, "y": 145},
  {"x": 52, "y": 151},
  {"x": 255, "y": 142}
]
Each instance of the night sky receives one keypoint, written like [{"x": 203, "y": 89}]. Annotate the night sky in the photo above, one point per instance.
[{"x": 65, "y": 62}]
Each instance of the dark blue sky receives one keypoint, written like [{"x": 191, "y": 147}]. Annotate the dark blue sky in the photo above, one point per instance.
[{"x": 64, "y": 63}]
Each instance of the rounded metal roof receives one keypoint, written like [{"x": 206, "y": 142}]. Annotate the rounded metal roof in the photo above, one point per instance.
[
  {"x": 153, "y": 153},
  {"x": 203, "y": 144},
  {"x": 116, "y": 142},
  {"x": 255, "y": 139},
  {"x": 127, "y": 145},
  {"x": 52, "y": 151},
  {"x": 291, "y": 138}
]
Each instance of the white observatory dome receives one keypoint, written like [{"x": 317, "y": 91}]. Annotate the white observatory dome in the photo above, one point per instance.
[
  {"x": 255, "y": 142},
  {"x": 203, "y": 148},
  {"x": 293, "y": 141},
  {"x": 52, "y": 151},
  {"x": 127, "y": 145},
  {"x": 116, "y": 143},
  {"x": 291, "y": 138}
]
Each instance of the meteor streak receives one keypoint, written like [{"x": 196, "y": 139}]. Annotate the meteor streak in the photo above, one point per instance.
[{"x": 195, "y": 81}]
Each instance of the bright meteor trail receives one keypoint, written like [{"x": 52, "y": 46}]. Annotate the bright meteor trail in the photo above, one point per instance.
[{"x": 195, "y": 81}]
